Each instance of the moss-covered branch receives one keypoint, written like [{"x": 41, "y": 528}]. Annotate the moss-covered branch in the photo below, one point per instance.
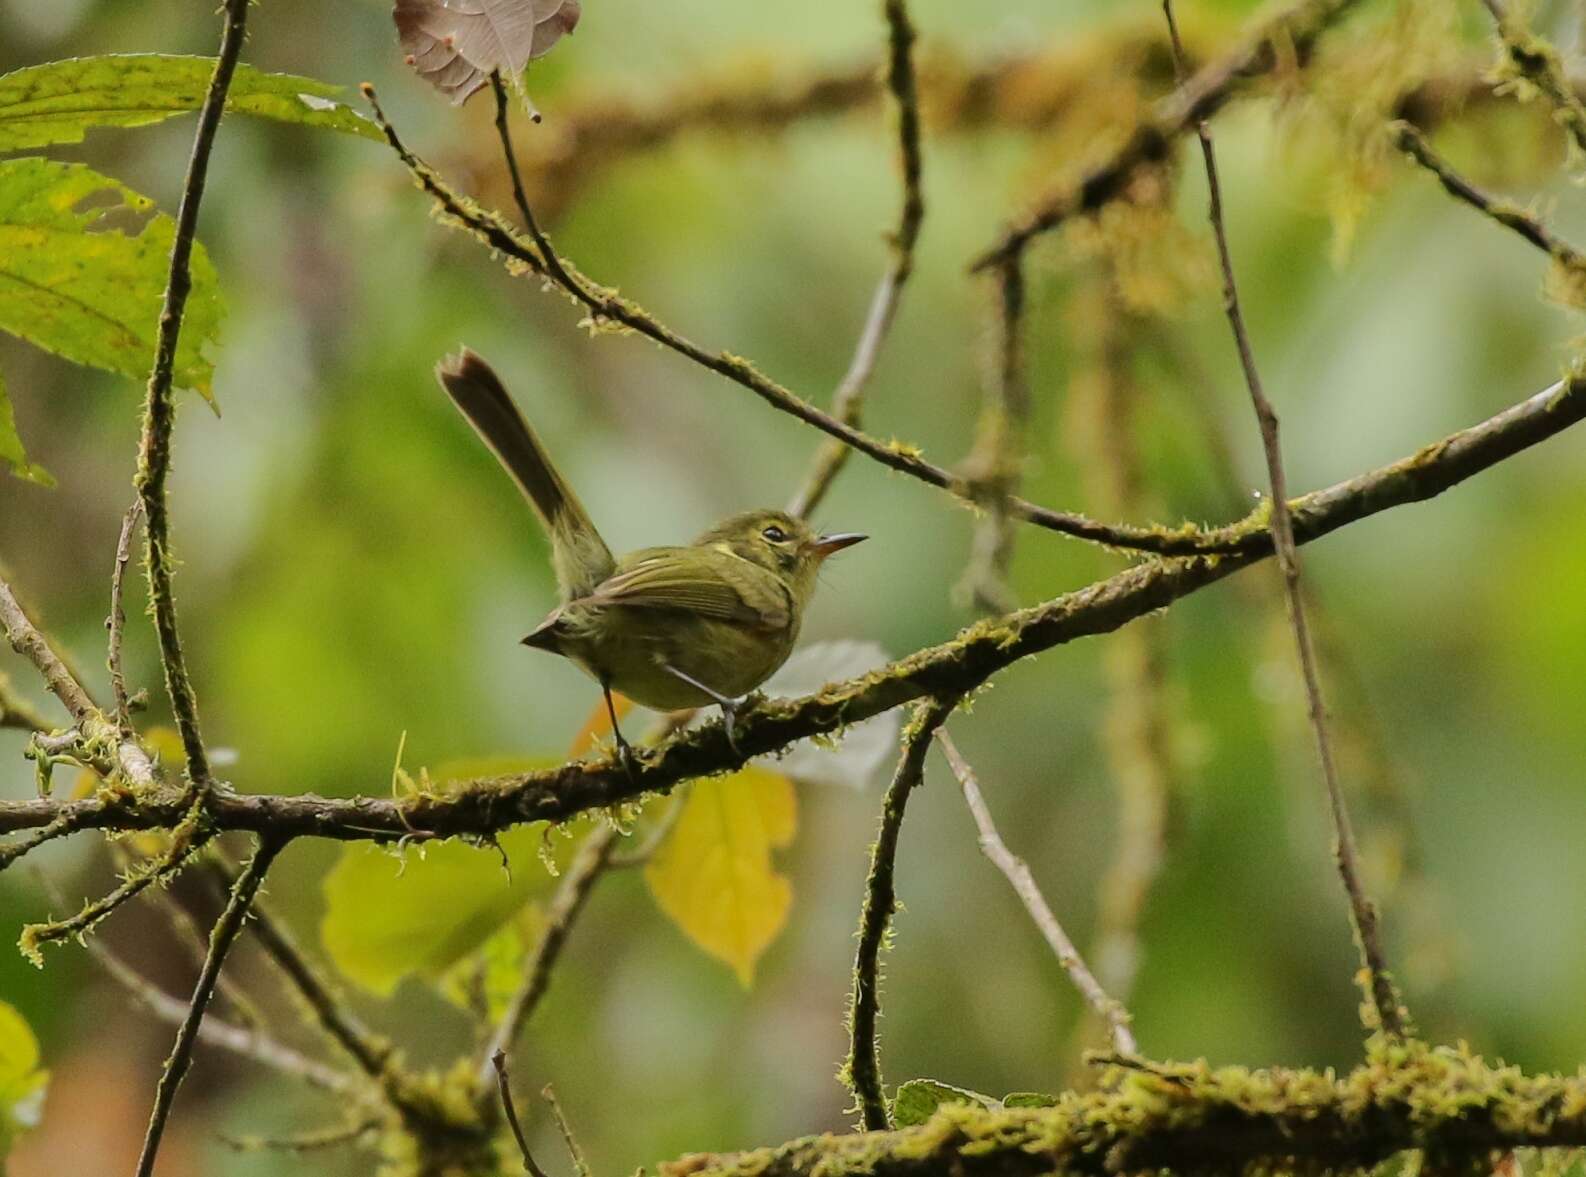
[
  {"x": 1289, "y": 36},
  {"x": 962, "y": 663},
  {"x": 609, "y": 310},
  {"x": 159, "y": 405},
  {"x": 862, "y": 1069},
  {"x": 1532, "y": 65},
  {"x": 1452, "y": 1104},
  {"x": 1511, "y": 216}
]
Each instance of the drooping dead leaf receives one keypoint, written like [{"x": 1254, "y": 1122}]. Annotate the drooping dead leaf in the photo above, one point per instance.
[{"x": 456, "y": 45}]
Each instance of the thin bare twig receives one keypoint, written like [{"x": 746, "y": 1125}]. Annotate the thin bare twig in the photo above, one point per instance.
[
  {"x": 66, "y": 823},
  {"x": 487, "y": 804},
  {"x": 159, "y": 407},
  {"x": 1389, "y": 1012},
  {"x": 552, "y": 263},
  {"x": 1017, "y": 872},
  {"x": 117, "y": 621},
  {"x": 847, "y": 401},
  {"x": 862, "y": 1070},
  {"x": 606, "y": 306},
  {"x": 592, "y": 859},
  {"x": 225, "y": 931},
  {"x": 184, "y": 925},
  {"x": 240, "y": 1040},
  {"x": 1414, "y": 144},
  {"x": 995, "y": 466},
  {"x": 498, "y": 1060},
  {"x": 580, "y": 1165}
]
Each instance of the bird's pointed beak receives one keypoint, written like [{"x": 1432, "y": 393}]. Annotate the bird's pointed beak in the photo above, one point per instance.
[{"x": 825, "y": 545}]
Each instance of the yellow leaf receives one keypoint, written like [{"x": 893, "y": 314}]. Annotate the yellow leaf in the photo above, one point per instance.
[{"x": 713, "y": 876}]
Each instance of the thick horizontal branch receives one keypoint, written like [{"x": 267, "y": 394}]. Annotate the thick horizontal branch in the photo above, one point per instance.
[
  {"x": 490, "y": 804},
  {"x": 1191, "y": 1119},
  {"x": 1287, "y": 37}
]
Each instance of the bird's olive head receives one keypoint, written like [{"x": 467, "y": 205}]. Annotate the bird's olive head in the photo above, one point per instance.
[{"x": 776, "y": 540}]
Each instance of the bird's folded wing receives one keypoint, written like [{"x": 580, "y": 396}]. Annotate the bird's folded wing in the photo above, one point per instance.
[{"x": 708, "y": 584}]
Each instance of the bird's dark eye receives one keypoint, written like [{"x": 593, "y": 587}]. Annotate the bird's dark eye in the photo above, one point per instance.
[{"x": 775, "y": 534}]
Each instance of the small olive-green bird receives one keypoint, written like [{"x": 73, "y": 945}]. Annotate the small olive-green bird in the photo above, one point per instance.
[{"x": 671, "y": 628}]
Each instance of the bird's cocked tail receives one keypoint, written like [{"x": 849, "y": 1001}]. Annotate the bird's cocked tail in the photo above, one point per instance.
[{"x": 578, "y": 554}]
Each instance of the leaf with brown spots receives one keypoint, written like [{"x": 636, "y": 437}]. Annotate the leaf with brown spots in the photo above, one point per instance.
[{"x": 456, "y": 45}]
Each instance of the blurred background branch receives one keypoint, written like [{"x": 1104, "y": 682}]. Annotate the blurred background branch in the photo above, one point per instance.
[{"x": 314, "y": 590}]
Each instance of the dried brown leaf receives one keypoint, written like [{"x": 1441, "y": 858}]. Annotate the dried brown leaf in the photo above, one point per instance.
[{"x": 456, "y": 45}]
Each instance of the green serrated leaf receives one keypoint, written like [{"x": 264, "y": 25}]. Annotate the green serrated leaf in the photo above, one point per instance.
[
  {"x": 21, "y": 1081},
  {"x": 11, "y": 451},
  {"x": 83, "y": 266},
  {"x": 917, "y": 1100},
  {"x": 60, "y": 101}
]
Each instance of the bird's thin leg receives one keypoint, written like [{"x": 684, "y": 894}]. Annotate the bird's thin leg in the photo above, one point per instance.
[
  {"x": 624, "y": 749},
  {"x": 729, "y": 707}
]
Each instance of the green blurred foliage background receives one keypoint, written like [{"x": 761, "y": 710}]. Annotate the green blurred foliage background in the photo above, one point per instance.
[{"x": 354, "y": 568}]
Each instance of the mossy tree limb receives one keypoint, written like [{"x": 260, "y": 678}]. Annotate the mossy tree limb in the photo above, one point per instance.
[
  {"x": 486, "y": 805},
  {"x": 1454, "y": 1106}
]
